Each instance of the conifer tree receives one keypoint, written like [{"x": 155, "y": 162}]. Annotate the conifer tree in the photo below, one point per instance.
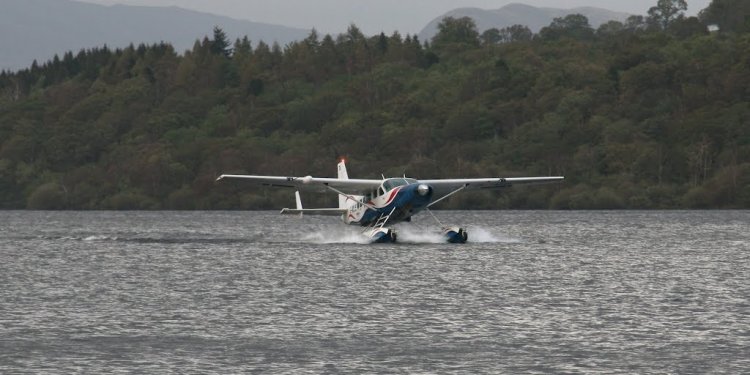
[{"x": 220, "y": 43}]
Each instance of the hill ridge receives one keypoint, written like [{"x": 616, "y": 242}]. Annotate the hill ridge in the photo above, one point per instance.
[{"x": 39, "y": 29}]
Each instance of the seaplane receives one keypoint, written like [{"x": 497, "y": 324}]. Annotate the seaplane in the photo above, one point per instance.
[{"x": 378, "y": 204}]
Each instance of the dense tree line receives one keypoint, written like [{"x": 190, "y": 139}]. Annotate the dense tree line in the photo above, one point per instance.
[{"x": 650, "y": 113}]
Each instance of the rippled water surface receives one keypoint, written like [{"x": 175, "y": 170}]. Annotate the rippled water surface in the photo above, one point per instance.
[{"x": 239, "y": 292}]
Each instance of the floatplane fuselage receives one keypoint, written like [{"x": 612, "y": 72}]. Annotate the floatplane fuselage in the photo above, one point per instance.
[{"x": 378, "y": 204}]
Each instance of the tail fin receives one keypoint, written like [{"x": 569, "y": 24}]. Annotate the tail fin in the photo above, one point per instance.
[
  {"x": 342, "y": 170},
  {"x": 342, "y": 176}
]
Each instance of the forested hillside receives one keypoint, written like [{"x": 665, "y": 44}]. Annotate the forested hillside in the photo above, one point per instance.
[{"x": 651, "y": 113}]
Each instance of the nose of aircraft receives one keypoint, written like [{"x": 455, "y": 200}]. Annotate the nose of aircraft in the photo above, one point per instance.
[{"x": 423, "y": 189}]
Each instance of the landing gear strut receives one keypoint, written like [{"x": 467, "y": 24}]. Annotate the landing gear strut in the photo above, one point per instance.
[{"x": 379, "y": 233}]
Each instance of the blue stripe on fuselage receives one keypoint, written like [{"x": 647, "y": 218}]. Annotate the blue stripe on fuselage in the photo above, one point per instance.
[{"x": 407, "y": 202}]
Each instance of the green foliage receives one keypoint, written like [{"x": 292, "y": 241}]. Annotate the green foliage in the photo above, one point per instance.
[
  {"x": 665, "y": 12},
  {"x": 574, "y": 26},
  {"x": 456, "y": 34},
  {"x": 491, "y": 36},
  {"x": 49, "y": 196},
  {"x": 732, "y": 16},
  {"x": 129, "y": 200},
  {"x": 516, "y": 33},
  {"x": 634, "y": 116}
]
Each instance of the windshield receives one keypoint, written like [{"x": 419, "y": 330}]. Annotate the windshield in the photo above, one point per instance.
[{"x": 394, "y": 182}]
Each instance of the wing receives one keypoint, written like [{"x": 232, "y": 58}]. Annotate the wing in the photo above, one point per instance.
[
  {"x": 309, "y": 183},
  {"x": 446, "y": 186},
  {"x": 314, "y": 211}
]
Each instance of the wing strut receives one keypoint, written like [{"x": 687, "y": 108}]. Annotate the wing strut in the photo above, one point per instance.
[
  {"x": 299, "y": 202},
  {"x": 349, "y": 196},
  {"x": 434, "y": 217},
  {"x": 448, "y": 195}
]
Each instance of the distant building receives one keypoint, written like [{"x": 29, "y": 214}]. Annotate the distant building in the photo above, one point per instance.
[{"x": 713, "y": 28}]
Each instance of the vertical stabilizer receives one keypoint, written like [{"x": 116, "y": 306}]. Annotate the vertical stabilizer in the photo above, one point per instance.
[
  {"x": 342, "y": 176},
  {"x": 342, "y": 170}
]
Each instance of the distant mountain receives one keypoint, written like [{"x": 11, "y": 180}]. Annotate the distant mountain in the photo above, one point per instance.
[
  {"x": 39, "y": 29},
  {"x": 521, "y": 14}
]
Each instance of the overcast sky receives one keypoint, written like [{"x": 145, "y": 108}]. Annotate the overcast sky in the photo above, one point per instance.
[{"x": 374, "y": 16}]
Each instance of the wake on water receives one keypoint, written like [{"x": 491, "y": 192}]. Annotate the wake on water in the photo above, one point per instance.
[
  {"x": 484, "y": 235},
  {"x": 334, "y": 237},
  {"x": 406, "y": 234}
]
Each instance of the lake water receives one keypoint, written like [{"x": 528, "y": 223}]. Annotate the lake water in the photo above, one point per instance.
[{"x": 255, "y": 292}]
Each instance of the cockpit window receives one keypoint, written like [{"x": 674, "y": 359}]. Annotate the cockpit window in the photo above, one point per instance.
[{"x": 394, "y": 182}]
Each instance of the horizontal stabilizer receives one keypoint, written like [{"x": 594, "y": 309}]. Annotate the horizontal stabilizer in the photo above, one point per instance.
[{"x": 314, "y": 211}]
